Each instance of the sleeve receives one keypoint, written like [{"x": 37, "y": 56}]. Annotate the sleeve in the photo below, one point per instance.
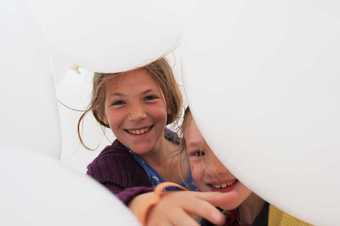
[
  {"x": 121, "y": 175},
  {"x": 127, "y": 195}
]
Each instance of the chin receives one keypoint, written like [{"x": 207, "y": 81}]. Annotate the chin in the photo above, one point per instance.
[
  {"x": 235, "y": 203},
  {"x": 141, "y": 149}
]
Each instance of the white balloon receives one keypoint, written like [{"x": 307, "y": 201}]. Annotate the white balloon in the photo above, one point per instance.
[
  {"x": 28, "y": 115},
  {"x": 74, "y": 90},
  {"x": 74, "y": 95},
  {"x": 36, "y": 190},
  {"x": 111, "y": 35},
  {"x": 60, "y": 68},
  {"x": 263, "y": 81}
]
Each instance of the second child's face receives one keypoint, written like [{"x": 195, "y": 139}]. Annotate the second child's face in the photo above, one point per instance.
[
  {"x": 208, "y": 173},
  {"x": 135, "y": 110}
]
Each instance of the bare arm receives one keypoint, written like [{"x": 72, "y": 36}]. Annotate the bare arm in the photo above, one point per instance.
[{"x": 180, "y": 208}]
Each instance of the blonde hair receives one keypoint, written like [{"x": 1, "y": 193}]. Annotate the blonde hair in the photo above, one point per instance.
[{"x": 160, "y": 71}]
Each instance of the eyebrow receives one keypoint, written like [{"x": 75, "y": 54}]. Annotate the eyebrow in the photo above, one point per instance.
[
  {"x": 194, "y": 145},
  {"x": 117, "y": 94},
  {"x": 148, "y": 91},
  {"x": 122, "y": 94}
]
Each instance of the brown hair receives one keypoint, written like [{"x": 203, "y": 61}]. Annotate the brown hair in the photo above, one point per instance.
[
  {"x": 186, "y": 115},
  {"x": 160, "y": 71},
  {"x": 184, "y": 161}
]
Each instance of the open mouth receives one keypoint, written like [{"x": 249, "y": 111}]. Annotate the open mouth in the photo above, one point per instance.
[
  {"x": 139, "y": 131},
  {"x": 223, "y": 187}
]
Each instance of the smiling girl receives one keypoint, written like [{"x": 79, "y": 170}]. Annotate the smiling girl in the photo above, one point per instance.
[
  {"x": 209, "y": 174},
  {"x": 137, "y": 106}
]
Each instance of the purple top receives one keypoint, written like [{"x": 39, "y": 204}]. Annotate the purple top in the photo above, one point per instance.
[{"x": 116, "y": 169}]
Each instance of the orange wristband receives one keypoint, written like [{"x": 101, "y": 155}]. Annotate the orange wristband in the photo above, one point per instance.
[{"x": 143, "y": 212}]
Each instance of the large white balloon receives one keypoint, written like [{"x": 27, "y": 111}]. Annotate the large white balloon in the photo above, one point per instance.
[
  {"x": 37, "y": 191},
  {"x": 28, "y": 115},
  {"x": 263, "y": 81},
  {"x": 74, "y": 95},
  {"x": 74, "y": 90},
  {"x": 111, "y": 35}
]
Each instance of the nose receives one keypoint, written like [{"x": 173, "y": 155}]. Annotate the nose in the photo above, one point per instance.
[{"x": 136, "y": 112}]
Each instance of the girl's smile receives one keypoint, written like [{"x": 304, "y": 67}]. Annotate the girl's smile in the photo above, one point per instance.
[
  {"x": 136, "y": 110},
  {"x": 223, "y": 187},
  {"x": 139, "y": 131},
  {"x": 207, "y": 171}
]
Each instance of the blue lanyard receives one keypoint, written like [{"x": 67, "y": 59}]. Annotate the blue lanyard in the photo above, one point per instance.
[{"x": 155, "y": 178}]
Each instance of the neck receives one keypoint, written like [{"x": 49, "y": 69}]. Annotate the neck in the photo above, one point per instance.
[
  {"x": 158, "y": 155},
  {"x": 166, "y": 160}
]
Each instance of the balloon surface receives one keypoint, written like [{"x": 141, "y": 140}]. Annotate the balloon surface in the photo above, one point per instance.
[
  {"x": 262, "y": 78},
  {"x": 74, "y": 96},
  {"x": 28, "y": 115},
  {"x": 37, "y": 191},
  {"x": 111, "y": 36},
  {"x": 74, "y": 90}
]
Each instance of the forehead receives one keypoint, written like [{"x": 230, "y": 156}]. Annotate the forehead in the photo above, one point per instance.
[
  {"x": 133, "y": 81},
  {"x": 192, "y": 134}
]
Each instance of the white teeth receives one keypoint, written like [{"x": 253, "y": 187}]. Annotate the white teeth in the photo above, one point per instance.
[
  {"x": 225, "y": 185},
  {"x": 139, "y": 131},
  {"x": 230, "y": 183},
  {"x": 217, "y": 186}
]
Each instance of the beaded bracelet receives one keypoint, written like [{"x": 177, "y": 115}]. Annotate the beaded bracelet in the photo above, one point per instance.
[{"x": 159, "y": 191}]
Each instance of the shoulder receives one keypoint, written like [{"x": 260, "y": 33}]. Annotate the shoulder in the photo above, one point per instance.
[
  {"x": 111, "y": 153},
  {"x": 114, "y": 163}
]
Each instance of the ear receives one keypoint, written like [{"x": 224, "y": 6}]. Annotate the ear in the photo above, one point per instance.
[
  {"x": 104, "y": 120},
  {"x": 106, "y": 123},
  {"x": 100, "y": 117},
  {"x": 168, "y": 110}
]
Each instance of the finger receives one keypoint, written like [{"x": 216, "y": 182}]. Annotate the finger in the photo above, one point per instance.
[
  {"x": 205, "y": 210},
  {"x": 181, "y": 218},
  {"x": 159, "y": 221},
  {"x": 228, "y": 200}
]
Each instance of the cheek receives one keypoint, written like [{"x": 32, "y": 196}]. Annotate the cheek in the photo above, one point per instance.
[
  {"x": 159, "y": 112},
  {"x": 197, "y": 172},
  {"x": 236, "y": 198},
  {"x": 114, "y": 118},
  {"x": 244, "y": 192}
]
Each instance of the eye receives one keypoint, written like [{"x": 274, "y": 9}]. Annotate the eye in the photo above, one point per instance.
[
  {"x": 151, "y": 98},
  {"x": 117, "y": 103},
  {"x": 197, "y": 153}
]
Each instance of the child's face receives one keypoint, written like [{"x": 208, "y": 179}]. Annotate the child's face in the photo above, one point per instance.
[
  {"x": 208, "y": 172},
  {"x": 135, "y": 110}
]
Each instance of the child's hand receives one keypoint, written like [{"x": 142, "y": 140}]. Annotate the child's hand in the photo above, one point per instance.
[
  {"x": 229, "y": 200},
  {"x": 183, "y": 207}
]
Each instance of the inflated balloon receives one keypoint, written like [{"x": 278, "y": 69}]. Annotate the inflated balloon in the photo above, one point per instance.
[
  {"x": 38, "y": 191},
  {"x": 28, "y": 115},
  {"x": 74, "y": 90},
  {"x": 263, "y": 81},
  {"x": 111, "y": 36},
  {"x": 74, "y": 95}
]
